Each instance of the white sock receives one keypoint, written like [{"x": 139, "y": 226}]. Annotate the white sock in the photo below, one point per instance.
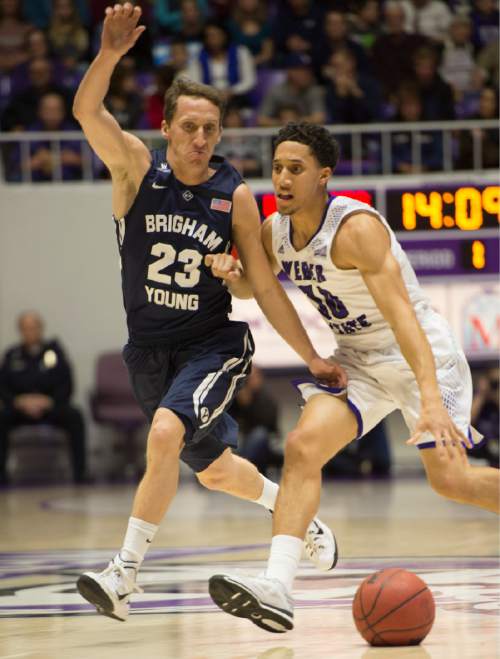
[
  {"x": 284, "y": 558},
  {"x": 138, "y": 537},
  {"x": 269, "y": 493}
]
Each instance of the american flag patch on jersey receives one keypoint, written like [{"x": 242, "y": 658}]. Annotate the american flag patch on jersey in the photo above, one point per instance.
[{"x": 221, "y": 205}]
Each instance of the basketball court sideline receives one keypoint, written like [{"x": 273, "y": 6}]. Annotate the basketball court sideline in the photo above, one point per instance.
[{"x": 51, "y": 535}]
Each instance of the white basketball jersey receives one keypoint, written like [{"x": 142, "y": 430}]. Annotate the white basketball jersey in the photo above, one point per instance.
[{"x": 341, "y": 296}]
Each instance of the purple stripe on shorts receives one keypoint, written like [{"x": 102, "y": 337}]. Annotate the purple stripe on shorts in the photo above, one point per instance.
[{"x": 358, "y": 416}]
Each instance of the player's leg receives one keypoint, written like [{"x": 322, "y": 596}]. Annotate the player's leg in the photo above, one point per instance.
[
  {"x": 217, "y": 468},
  {"x": 326, "y": 425},
  {"x": 455, "y": 479},
  {"x": 451, "y": 475},
  {"x": 111, "y": 589}
]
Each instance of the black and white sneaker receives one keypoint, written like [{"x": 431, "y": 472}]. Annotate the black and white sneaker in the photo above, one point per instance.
[
  {"x": 263, "y": 601},
  {"x": 320, "y": 546},
  {"x": 109, "y": 591}
]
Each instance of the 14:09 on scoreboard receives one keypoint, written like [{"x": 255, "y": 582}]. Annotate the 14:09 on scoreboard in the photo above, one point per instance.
[{"x": 466, "y": 207}]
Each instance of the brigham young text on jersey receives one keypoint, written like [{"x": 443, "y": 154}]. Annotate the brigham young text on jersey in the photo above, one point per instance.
[{"x": 176, "y": 225}]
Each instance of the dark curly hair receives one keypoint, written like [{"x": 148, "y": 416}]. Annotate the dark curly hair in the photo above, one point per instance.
[{"x": 320, "y": 141}]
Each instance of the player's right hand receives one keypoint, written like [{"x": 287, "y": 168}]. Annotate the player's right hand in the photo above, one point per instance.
[
  {"x": 329, "y": 372},
  {"x": 120, "y": 31},
  {"x": 224, "y": 266}
]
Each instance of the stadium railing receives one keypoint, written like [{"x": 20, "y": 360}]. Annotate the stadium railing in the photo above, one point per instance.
[{"x": 367, "y": 149}]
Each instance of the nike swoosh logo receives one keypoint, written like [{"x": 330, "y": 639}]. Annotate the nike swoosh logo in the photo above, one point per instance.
[
  {"x": 122, "y": 597},
  {"x": 149, "y": 541},
  {"x": 158, "y": 187}
]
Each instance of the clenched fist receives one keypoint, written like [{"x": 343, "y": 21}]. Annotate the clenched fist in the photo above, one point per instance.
[{"x": 224, "y": 266}]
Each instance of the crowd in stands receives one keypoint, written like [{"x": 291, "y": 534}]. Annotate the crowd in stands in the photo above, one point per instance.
[{"x": 330, "y": 61}]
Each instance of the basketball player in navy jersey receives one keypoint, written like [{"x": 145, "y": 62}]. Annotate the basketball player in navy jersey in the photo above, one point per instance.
[
  {"x": 174, "y": 210},
  {"x": 397, "y": 351}
]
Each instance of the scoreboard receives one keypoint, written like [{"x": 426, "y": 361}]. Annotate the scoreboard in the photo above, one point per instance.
[{"x": 445, "y": 230}]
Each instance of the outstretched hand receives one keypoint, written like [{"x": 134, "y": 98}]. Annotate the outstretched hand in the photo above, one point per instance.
[
  {"x": 120, "y": 31},
  {"x": 329, "y": 372},
  {"x": 436, "y": 421},
  {"x": 224, "y": 266}
]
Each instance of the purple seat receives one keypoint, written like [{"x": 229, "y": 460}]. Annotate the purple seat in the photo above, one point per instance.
[{"x": 112, "y": 402}]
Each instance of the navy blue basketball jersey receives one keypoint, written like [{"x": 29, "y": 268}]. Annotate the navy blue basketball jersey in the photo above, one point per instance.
[{"x": 168, "y": 292}]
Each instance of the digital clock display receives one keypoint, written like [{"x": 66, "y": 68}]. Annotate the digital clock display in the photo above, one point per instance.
[{"x": 467, "y": 207}]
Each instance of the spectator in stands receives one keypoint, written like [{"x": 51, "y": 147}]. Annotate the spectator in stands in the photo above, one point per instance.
[
  {"x": 123, "y": 99},
  {"x": 430, "y": 18},
  {"x": 296, "y": 27},
  {"x": 410, "y": 109},
  {"x": 22, "y": 110},
  {"x": 168, "y": 15},
  {"x": 488, "y": 140},
  {"x": 256, "y": 412},
  {"x": 299, "y": 90},
  {"x": 393, "y": 52},
  {"x": 250, "y": 27},
  {"x": 487, "y": 61},
  {"x": 335, "y": 35},
  {"x": 365, "y": 24},
  {"x": 436, "y": 94},
  {"x": 37, "y": 46},
  {"x": 485, "y": 415},
  {"x": 38, "y": 12},
  {"x": 223, "y": 64},
  {"x": 192, "y": 22},
  {"x": 164, "y": 76},
  {"x": 458, "y": 66},
  {"x": 35, "y": 388},
  {"x": 178, "y": 56},
  {"x": 243, "y": 152},
  {"x": 72, "y": 68},
  {"x": 351, "y": 97},
  {"x": 485, "y": 18},
  {"x": 52, "y": 116},
  {"x": 66, "y": 29},
  {"x": 13, "y": 35}
]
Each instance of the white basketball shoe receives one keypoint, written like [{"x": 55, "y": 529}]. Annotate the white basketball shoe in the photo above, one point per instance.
[
  {"x": 321, "y": 546},
  {"x": 109, "y": 591},
  {"x": 264, "y": 601}
]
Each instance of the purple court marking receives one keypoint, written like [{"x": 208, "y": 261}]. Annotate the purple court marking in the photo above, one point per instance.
[{"x": 173, "y": 588}]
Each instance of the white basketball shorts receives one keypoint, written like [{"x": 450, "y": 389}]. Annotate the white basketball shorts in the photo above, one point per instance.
[{"x": 380, "y": 381}]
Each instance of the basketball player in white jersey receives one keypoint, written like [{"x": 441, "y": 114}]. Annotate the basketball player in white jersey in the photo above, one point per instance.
[{"x": 397, "y": 351}]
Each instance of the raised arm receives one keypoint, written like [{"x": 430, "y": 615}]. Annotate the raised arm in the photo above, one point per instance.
[
  {"x": 267, "y": 290},
  {"x": 362, "y": 242},
  {"x": 125, "y": 155}
]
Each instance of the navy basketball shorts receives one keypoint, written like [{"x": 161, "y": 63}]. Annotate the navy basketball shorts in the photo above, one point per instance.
[{"x": 197, "y": 381}]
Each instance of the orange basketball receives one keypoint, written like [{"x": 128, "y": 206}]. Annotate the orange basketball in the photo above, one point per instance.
[{"x": 393, "y": 607}]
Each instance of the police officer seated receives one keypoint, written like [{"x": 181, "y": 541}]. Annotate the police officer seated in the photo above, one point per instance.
[{"x": 35, "y": 388}]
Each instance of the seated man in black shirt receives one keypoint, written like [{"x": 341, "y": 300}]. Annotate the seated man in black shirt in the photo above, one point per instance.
[{"x": 35, "y": 388}]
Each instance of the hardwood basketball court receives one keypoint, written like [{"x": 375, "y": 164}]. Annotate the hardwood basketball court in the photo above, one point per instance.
[{"x": 51, "y": 535}]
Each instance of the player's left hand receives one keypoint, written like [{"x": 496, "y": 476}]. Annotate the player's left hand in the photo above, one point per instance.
[
  {"x": 224, "y": 266},
  {"x": 435, "y": 420},
  {"x": 328, "y": 371}
]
